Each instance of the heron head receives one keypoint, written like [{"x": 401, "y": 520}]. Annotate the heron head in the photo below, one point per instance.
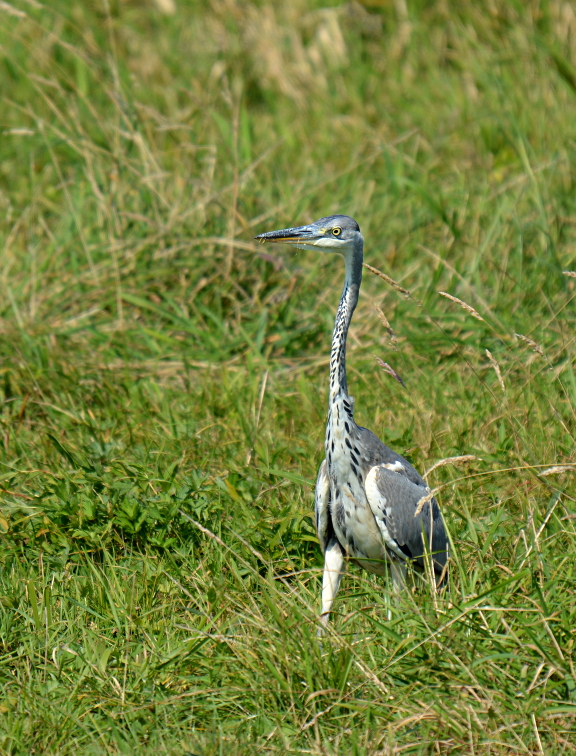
[{"x": 335, "y": 233}]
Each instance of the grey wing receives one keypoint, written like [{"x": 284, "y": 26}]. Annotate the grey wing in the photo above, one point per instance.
[
  {"x": 393, "y": 499},
  {"x": 323, "y": 519}
]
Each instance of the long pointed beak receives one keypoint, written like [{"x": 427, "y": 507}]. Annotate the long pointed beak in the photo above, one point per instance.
[{"x": 299, "y": 234}]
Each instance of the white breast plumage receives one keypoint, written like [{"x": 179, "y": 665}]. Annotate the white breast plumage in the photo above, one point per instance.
[{"x": 352, "y": 517}]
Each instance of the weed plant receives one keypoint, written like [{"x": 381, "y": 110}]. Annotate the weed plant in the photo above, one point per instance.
[{"x": 163, "y": 379}]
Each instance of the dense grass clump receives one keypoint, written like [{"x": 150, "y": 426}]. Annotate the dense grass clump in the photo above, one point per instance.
[{"x": 163, "y": 379}]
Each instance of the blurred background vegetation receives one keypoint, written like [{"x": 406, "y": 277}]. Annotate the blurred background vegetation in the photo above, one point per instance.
[{"x": 163, "y": 378}]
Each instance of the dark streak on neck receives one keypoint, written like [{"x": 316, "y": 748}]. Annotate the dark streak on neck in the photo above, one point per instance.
[{"x": 348, "y": 301}]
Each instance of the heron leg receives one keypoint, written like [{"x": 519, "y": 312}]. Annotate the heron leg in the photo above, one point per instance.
[
  {"x": 333, "y": 570},
  {"x": 398, "y": 571}
]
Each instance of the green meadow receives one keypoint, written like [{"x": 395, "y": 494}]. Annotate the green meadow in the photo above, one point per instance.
[{"x": 163, "y": 378}]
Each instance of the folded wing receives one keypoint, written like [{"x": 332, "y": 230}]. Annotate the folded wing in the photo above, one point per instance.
[{"x": 393, "y": 499}]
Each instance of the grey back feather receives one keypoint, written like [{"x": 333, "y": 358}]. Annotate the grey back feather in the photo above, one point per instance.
[{"x": 375, "y": 452}]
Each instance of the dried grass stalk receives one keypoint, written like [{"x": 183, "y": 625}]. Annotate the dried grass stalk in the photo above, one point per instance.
[
  {"x": 527, "y": 340},
  {"x": 451, "y": 461},
  {"x": 496, "y": 367},
  {"x": 168, "y": 7},
  {"x": 569, "y": 273},
  {"x": 11, "y": 11},
  {"x": 463, "y": 305},
  {"x": 390, "y": 370},
  {"x": 386, "y": 278},
  {"x": 556, "y": 469},
  {"x": 424, "y": 500},
  {"x": 386, "y": 324}
]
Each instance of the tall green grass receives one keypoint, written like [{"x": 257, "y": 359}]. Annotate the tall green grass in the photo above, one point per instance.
[{"x": 163, "y": 380}]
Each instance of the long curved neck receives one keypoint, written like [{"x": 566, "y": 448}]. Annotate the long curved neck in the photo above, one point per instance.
[{"x": 344, "y": 314}]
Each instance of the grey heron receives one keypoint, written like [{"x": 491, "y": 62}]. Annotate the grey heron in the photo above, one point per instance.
[{"x": 367, "y": 496}]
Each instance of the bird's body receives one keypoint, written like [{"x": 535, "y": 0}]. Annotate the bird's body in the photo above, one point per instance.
[{"x": 366, "y": 495}]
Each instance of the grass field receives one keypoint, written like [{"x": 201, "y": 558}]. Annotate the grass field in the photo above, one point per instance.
[{"x": 163, "y": 379}]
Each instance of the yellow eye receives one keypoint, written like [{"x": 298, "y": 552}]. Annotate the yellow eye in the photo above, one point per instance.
[{"x": 336, "y": 231}]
